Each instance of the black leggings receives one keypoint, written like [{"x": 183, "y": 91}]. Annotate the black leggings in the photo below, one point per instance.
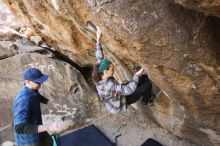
[{"x": 143, "y": 90}]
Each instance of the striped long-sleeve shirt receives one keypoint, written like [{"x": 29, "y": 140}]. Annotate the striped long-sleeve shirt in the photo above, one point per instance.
[
  {"x": 99, "y": 52},
  {"x": 110, "y": 91}
]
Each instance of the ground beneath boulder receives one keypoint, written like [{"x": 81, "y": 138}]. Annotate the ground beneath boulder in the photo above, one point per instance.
[{"x": 135, "y": 128}]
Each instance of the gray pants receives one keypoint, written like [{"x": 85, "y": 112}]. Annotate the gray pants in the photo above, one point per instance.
[{"x": 46, "y": 140}]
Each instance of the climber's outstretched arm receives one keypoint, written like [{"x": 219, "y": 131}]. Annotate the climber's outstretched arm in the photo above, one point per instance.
[{"x": 99, "y": 51}]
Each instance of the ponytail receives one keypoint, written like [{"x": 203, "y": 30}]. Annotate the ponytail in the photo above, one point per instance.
[{"x": 95, "y": 74}]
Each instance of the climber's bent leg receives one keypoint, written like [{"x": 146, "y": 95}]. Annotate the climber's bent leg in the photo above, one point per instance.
[{"x": 143, "y": 90}]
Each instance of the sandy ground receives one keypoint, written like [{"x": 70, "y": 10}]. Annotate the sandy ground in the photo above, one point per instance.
[{"x": 134, "y": 129}]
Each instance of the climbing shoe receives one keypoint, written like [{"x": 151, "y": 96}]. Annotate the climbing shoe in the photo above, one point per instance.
[
  {"x": 147, "y": 103},
  {"x": 151, "y": 100}
]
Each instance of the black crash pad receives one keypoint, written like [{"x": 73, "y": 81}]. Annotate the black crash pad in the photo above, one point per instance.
[
  {"x": 88, "y": 136},
  {"x": 151, "y": 142}
]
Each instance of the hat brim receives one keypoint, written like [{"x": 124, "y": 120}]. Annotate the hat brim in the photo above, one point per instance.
[{"x": 42, "y": 79}]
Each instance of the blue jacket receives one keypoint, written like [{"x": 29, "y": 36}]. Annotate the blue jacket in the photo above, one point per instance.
[{"x": 27, "y": 110}]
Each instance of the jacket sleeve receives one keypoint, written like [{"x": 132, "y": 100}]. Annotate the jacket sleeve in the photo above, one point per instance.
[
  {"x": 125, "y": 89},
  {"x": 22, "y": 110},
  {"x": 43, "y": 99},
  {"x": 99, "y": 52},
  {"x": 26, "y": 129}
]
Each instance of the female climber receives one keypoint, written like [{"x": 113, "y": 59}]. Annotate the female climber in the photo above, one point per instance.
[{"x": 110, "y": 91}]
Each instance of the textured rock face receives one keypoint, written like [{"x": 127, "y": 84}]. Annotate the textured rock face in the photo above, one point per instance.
[
  {"x": 209, "y": 7},
  {"x": 13, "y": 44},
  {"x": 66, "y": 85},
  {"x": 8, "y": 20},
  {"x": 179, "y": 47}
]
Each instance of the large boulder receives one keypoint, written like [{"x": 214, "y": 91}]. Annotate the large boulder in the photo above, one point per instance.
[
  {"x": 8, "y": 21},
  {"x": 12, "y": 44},
  {"x": 208, "y": 7},
  {"x": 179, "y": 47},
  {"x": 66, "y": 86}
]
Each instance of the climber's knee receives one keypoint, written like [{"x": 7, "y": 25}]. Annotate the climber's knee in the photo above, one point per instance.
[
  {"x": 146, "y": 87},
  {"x": 143, "y": 79}
]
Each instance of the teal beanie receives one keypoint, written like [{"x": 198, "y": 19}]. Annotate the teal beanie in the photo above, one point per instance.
[{"x": 104, "y": 65}]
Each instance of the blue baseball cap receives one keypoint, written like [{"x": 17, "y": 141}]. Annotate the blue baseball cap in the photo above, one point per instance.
[{"x": 35, "y": 75}]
